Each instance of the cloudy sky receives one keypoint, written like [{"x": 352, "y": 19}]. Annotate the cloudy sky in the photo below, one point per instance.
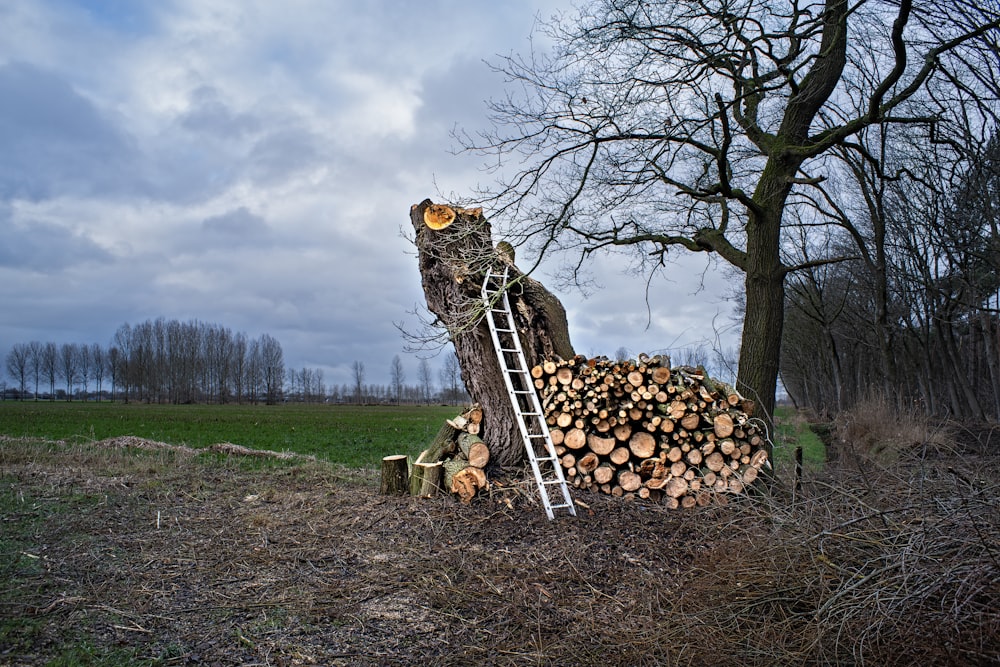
[{"x": 251, "y": 163}]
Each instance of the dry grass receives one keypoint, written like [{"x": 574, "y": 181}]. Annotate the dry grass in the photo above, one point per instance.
[
  {"x": 175, "y": 558},
  {"x": 879, "y": 432}
]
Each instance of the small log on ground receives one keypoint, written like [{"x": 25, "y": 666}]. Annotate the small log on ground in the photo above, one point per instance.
[
  {"x": 395, "y": 476},
  {"x": 425, "y": 479},
  {"x": 466, "y": 483},
  {"x": 474, "y": 449}
]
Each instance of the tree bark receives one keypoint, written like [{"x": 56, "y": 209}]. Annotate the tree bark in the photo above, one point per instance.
[{"x": 453, "y": 260}]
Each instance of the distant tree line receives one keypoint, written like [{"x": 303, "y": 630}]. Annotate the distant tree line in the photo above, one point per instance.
[{"x": 168, "y": 361}]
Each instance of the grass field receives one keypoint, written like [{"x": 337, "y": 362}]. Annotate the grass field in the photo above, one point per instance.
[
  {"x": 352, "y": 435},
  {"x": 357, "y": 436}
]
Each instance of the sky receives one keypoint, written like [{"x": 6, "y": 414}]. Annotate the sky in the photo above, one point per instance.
[{"x": 252, "y": 163}]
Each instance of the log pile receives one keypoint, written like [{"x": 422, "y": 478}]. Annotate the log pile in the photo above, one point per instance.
[
  {"x": 641, "y": 428},
  {"x": 455, "y": 459}
]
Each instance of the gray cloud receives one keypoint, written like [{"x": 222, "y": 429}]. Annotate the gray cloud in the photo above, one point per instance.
[
  {"x": 210, "y": 115},
  {"x": 56, "y": 141},
  {"x": 252, "y": 164}
]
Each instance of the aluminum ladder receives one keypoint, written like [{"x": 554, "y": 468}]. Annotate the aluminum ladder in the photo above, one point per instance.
[{"x": 523, "y": 398}]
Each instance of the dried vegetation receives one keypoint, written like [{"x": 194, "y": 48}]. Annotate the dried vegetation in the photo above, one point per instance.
[{"x": 168, "y": 556}]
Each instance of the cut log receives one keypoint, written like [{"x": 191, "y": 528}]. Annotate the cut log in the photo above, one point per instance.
[
  {"x": 475, "y": 450},
  {"x": 600, "y": 446},
  {"x": 604, "y": 473},
  {"x": 575, "y": 438},
  {"x": 690, "y": 421},
  {"x": 675, "y": 487},
  {"x": 395, "y": 476},
  {"x": 467, "y": 482},
  {"x": 715, "y": 462},
  {"x": 642, "y": 445},
  {"x": 619, "y": 455},
  {"x": 660, "y": 375},
  {"x": 723, "y": 425},
  {"x": 588, "y": 463},
  {"x": 629, "y": 481},
  {"x": 425, "y": 479},
  {"x": 444, "y": 443}
]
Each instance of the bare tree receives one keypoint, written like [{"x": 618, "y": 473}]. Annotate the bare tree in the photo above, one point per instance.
[
  {"x": 50, "y": 367},
  {"x": 273, "y": 367},
  {"x": 358, "y": 373},
  {"x": 99, "y": 366},
  {"x": 35, "y": 350},
  {"x": 69, "y": 366},
  {"x": 398, "y": 377},
  {"x": 426, "y": 380},
  {"x": 451, "y": 377},
  {"x": 18, "y": 360},
  {"x": 698, "y": 124}
]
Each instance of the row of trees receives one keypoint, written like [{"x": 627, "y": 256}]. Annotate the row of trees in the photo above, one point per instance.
[{"x": 161, "y": 361}]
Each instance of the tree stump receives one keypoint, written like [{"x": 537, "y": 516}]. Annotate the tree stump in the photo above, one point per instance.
[
  {"x": 455, "y": 248},
  {"x": 425, "y": 482},
  {"x": 395, "y": 476}
]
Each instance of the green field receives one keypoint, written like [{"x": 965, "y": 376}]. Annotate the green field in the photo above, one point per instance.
[
  {"x": 352, "y": 435},
  {"x": 357, "y": 436}
]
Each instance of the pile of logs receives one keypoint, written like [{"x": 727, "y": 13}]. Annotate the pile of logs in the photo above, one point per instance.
[
  {"x": 641, "y": 428},
  {"x": 454, "y": 462}
]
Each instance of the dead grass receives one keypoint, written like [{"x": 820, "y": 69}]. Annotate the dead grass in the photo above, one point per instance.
[
  {"x": 166, "y": 556},
  {"x": 880, "y": 432}
]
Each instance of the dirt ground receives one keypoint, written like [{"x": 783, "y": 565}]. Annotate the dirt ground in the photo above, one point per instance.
[{"x": 126, "y": 552}]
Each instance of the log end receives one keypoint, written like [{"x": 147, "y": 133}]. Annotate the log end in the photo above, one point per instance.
[{"x": 438, "y": 216}]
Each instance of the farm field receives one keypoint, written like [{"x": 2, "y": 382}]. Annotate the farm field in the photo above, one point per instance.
[{"x": 352, "y": 435}]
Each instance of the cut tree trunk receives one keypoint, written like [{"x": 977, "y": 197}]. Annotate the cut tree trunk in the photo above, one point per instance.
[
  {"x": 395, "y": 476},
  {"x": 453, "y": 259},
  {"x": 425, "y": 480}
]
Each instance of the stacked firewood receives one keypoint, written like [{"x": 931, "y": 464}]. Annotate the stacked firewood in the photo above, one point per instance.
[
  {"x": 455, "y": 459},
  {"x": 641, "y": 428}
]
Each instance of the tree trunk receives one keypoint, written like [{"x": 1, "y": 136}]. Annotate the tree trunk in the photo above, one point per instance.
[{"x": 453, "y": 257}]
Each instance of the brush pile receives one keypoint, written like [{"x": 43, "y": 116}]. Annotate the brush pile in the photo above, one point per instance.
[{"x": 645, "y": 429}]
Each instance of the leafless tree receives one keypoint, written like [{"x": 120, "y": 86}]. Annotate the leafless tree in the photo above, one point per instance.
[
  {"x": 99, "y": 366},
  {"x": 451, "y": 377},
  {"x": 18, "y": 359},
  {"x": 398, "y": 377},
  {"x": 50, "y": 367},
  {"x": 358, "y": 373},
  {"x": 69, "y": 366},
  {"x": 700, "y": 124},
  {"x": 426, "y": 380}
]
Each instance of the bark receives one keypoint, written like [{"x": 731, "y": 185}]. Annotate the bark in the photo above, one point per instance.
[{"x": 453, "y": 261}]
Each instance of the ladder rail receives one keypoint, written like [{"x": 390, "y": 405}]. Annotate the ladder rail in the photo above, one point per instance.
[{"x": 491, "y": 301}]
